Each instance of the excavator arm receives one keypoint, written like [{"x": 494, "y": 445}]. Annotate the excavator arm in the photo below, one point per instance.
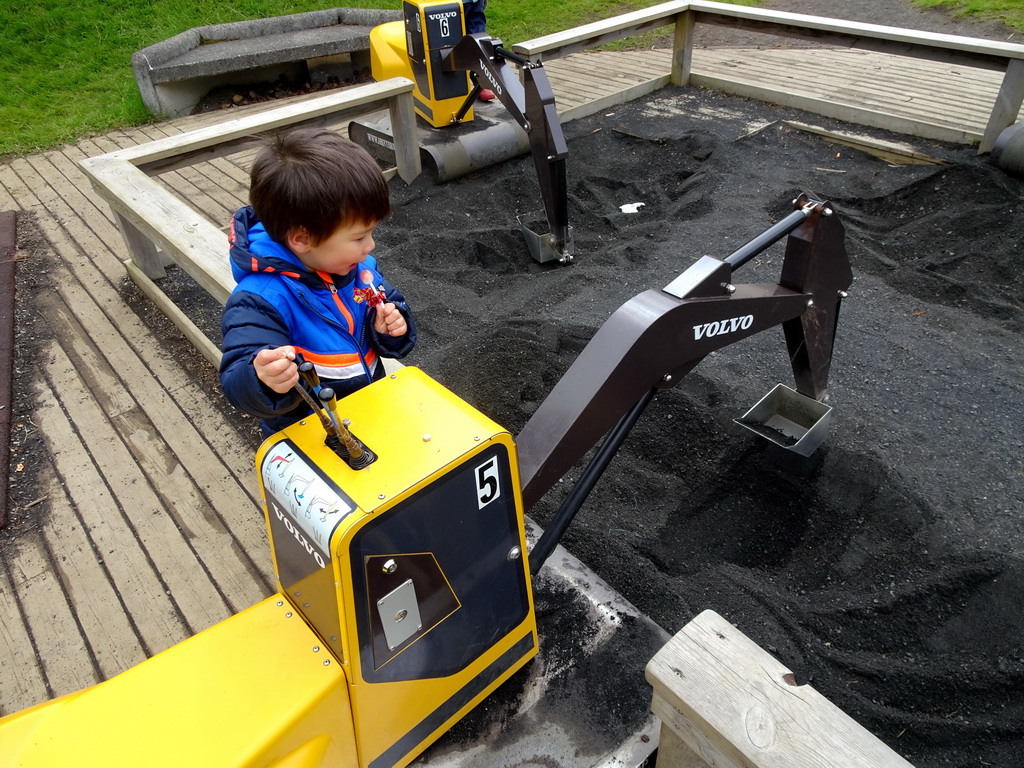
[
  {"x": 659, "y": 336},
  {"x": 531, "y": 103}
]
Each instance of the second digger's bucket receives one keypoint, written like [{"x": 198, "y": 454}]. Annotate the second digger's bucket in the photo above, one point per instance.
[
  {"x": 542, "y": 247},
  {"x": 794, "y": 421}
]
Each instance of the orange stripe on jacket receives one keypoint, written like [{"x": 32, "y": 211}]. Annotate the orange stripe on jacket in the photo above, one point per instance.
[
  {"x": 339, "y": 360},
  {"x": 337, "y": 300}
]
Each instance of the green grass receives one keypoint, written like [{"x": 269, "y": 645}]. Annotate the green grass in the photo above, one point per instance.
[
  {"x": 66, "y": 68},
  {"x": 1010, "y": 12},
  {"x": 65, "y": 71}
]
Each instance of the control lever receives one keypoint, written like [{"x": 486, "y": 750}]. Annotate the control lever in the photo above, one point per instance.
[
  {"x": 359, "y": 456},
  {"x": 324, "y": 404},
  {"x": 308, "y": 372},
  {"x": 318, "y": 409}
]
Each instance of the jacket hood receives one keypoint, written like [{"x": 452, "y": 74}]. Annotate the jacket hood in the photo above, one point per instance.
[{"x": 252, "y": 249}]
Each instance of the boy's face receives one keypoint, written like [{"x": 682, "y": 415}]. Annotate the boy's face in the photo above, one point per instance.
[{"x": 339, "y": 254}]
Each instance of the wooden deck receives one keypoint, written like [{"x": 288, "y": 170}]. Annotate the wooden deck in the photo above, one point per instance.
[
  {"x": 149, "y": 527},
  {"x": 925, "y": 98}
]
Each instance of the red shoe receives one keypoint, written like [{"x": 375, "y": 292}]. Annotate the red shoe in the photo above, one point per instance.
[{"x": 486, "y": 95}]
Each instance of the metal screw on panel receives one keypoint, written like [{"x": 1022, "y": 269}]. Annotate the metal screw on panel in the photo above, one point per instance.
[
  {"x": 380, "y": 496},
  {"x": 729, "y": 288},
  {"x": 288, "y": 615},
  {"x": 316, "y": 649},
  {"x": 827, "y": 211},
  {"x": 390, "y": 566},
  {"x": 401, "y": 615},
  {"x": 810, "y": 303},
  {"x": 667, "y": 377},
  {"x": 327, "y": 662},
  {"x": 426, "y": 438},
  {"x": 514, "y": 554},
  {"x": 280, "y": 603},
  {"x": 843, "y": 294},
  {"x": 393, "y": 376}
]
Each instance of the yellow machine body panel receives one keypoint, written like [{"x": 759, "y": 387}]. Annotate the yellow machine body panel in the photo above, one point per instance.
[
  {"x": 411, "y": 570},
  {"x": 405, "y": 600},
  {"x": 413, "y": 48},
  {"x": 389, "y": 56},
  {"x": 257, "y": 690}
]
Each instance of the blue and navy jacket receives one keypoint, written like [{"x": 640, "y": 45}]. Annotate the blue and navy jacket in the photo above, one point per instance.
[{"x": 277, "y": 301}]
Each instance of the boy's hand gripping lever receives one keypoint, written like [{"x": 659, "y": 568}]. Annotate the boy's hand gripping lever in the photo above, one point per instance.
[{"x": 358, "y": 455}]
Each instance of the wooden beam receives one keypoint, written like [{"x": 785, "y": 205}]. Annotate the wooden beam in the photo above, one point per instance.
[
  {"x": 735, "y": 705},
  {"x": 961, "y": 49},
  {"x": 836, "y": 38},
  {"x": 142, "y": 250},
  {"x": 765, "y": 19},
  {"x": 682, "y": 48},
  {"x": 193, "y": 243},
  {"x": 403, "y": 126},
  {"x": 1007, "y": 106},
  {"x": 600, "y": 32},
  {"x": 181, "y": 321},
  {"x": 363, "y": 97}
]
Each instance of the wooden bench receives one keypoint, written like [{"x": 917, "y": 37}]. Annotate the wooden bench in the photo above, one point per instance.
[
  {"x": 975, "y": 52},
  {"x": 174, "y": 74},
  {"x": 160, "y": 229},
  {"x": 724, "y": 701}
]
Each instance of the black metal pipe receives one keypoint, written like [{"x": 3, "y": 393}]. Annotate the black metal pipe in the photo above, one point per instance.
[
  {"x": 507, "y": 54},
  {"x": 769, "y": 237},
  {"x": 572, "y": 503}
]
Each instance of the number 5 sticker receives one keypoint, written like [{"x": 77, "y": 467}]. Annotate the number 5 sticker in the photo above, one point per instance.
[{"x": 487, "y": 487}]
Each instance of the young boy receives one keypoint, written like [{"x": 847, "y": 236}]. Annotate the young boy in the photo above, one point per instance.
[{"x": 307, "y": 283}]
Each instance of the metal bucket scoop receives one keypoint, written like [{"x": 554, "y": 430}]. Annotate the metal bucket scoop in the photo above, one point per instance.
[{"x": 794, "y": 421}]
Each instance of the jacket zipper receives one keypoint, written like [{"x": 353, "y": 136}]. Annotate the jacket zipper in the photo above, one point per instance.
[{"x": 327, "y": 318}]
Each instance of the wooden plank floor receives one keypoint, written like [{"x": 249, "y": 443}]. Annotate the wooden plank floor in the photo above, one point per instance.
[{"x": 149, "y": 527}]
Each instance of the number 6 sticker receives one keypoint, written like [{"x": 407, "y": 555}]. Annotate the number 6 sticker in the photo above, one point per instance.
[{"x": 487, "y": 487}]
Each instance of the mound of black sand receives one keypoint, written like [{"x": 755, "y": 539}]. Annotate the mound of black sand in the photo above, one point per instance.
[{"x": 885, "y": 570}]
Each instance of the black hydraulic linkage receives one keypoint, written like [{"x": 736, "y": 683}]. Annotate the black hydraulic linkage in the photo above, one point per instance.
[
  {"x": 770, "y": 236},
  {"x": 574, "y": 501}
]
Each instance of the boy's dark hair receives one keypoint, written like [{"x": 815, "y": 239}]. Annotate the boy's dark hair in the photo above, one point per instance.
[{"x": 316, "y": 179}]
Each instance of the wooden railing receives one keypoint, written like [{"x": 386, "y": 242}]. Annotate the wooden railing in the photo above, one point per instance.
[
  {"x": 159, "y": 229},
  {"x": 684, "y": 16}
]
